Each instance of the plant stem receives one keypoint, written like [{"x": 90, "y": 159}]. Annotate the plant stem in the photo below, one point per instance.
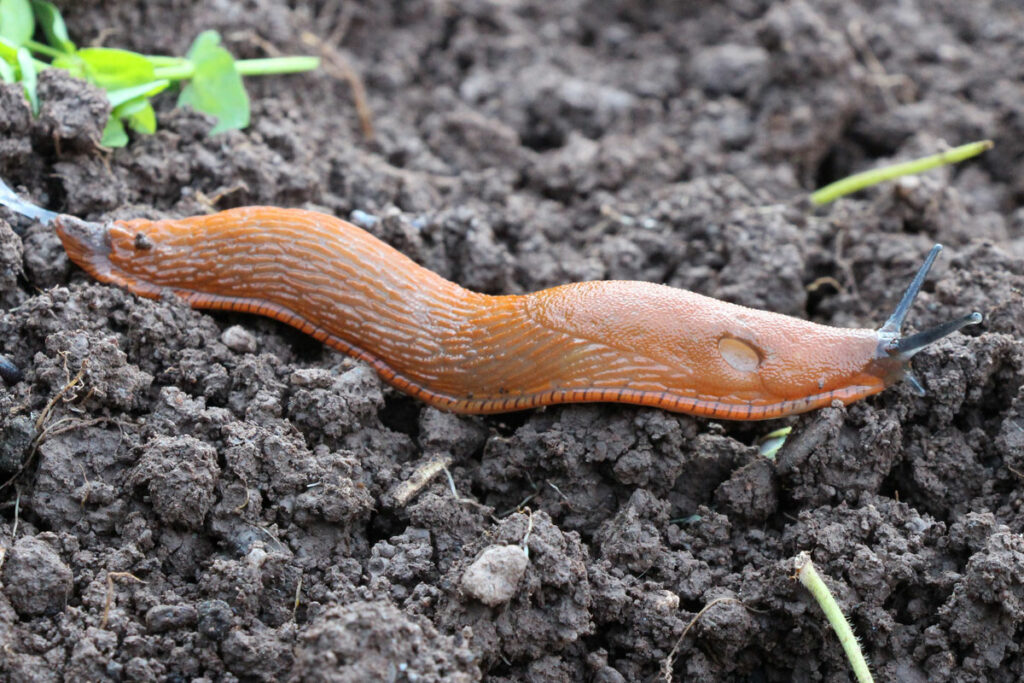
[
  {"x": 9, "y": 53},
  {"x": 245, "y": 67},
  {"x": 160, "y": 61},
  {"x": 810, "y": 578},
  {"x": 276, "y": 65},
  {"x": 859, "y": 181},
  {"x": 42, "y": 49},
  {"x": 177, "y": 72}
]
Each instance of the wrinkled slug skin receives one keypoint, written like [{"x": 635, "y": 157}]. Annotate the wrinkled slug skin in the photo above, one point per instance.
[{"x": 617, "y": 341}]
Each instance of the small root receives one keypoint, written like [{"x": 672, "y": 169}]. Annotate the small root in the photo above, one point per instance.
[
  {"x": 669, "y": 662},
  {"x": 110, "y": 592},
  {"x": 423, "y": 475},
  {"x": 337, "y": 66},
  {"x": 43, "y": 433},
  {"x": 298, "y": 593}
]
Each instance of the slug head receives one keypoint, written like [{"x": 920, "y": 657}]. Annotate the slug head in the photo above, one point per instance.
[
  {"x": 826, "y": 363},
  {"x": 894, "y": 351}
]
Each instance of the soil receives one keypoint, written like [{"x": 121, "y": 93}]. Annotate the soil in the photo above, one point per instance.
[{"x": 207, "y": 496}]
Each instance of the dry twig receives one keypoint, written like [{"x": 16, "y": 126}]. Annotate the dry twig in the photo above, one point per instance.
[{"x": 110, "y": 592}]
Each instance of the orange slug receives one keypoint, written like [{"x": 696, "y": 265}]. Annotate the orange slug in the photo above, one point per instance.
[{"x": 607, "y": 341}]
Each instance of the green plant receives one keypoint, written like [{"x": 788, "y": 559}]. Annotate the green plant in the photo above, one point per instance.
[
  {"x": 211, "y": 78},
  {"x": 865, "y": 179},
  {"x": 811, "y": 579}
]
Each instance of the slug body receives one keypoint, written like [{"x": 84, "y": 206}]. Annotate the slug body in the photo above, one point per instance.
[{"x": 615, "y": 341}]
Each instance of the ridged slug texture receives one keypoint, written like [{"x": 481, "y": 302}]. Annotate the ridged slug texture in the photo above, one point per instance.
[{"x": 629, "y": 342}]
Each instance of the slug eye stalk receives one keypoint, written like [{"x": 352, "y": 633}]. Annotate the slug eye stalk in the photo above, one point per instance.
[
  {"x": 12, "y": 201},
  {"x": 890, "y": 342},
  {"x": 906, "y": 347}
]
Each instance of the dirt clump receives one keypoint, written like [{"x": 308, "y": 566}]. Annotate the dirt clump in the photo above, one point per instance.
[{"x": 201, "y": 495}]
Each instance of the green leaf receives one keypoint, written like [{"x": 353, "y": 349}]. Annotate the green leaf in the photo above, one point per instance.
[
  {"x": 28, "y": 77},
  {"x": 122, "y": 95},
  {"x": 53, "y": 25},
  {"x": 111, "y": 69},
  {"x": 215, "y": 88},
  {"x": 123, "y": 111},
  {"x": 114, "y": 134},
  {"x": 8, "y": 50},
  {"x": 16, "y": 22},
  {"x": 132, "y": 105},
  {"x": 72, "y": 63},
  {"x": 143, "y": 120},
  {"x": 769, "y": 444},
  {"x": 7, "y": 72},
  {"x": 138, "y": 113}
]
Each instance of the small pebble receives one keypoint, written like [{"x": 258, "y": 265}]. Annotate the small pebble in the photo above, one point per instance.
[
  {"x": 363, "y": 219},
  {"x": 10, "y": 372},
  {"x": 664, "y": 601},
  {"x": 162, "y": 618},
  {"x": 494, "y": 577},
  {"x": 35, "y": 578},
  {"x": 215, "y": 618},
  {"x": 730, "y": 69},
  {"x": 16, "y": 439},
  {"x": 238, "y": 339}
]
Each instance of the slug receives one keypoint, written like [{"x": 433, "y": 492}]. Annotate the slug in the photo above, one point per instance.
[{"x": 606, "y": 341}]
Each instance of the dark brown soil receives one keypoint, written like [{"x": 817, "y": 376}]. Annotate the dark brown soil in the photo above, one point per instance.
[{"x": 217, "y": 497}]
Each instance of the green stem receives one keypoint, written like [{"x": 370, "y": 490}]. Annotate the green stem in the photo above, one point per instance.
[
  {"x": 159, "y": 61},
  {"x": 276, "y": 65},
  {"x": 9, "y": 53},
  {"x": 245, "y": 67},
  {"x": 40, "y": 65},
  {"x": 859, "y": 181},
  {"x": 43, "y": 49},
  {"x": 810, "y": 578},
  {"x": 176, "y": 72}
]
